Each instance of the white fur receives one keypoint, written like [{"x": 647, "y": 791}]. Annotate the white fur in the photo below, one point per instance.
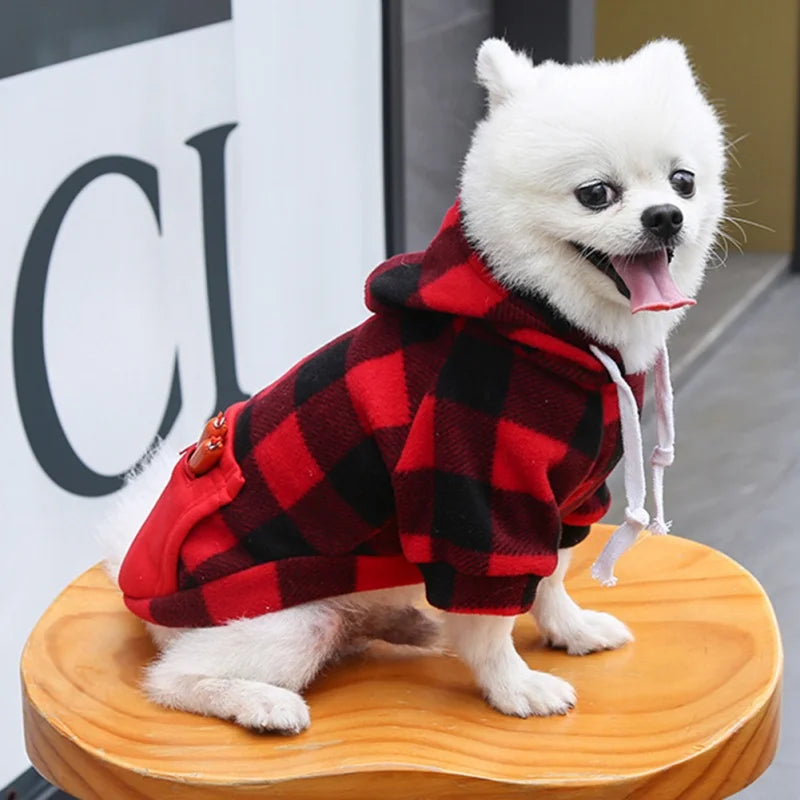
[
  {"x": 630, "y": 122},
  {"x": 509, "y": 685},
  {"x": 566, "y": 625},
  {"x": 549, "y": 129},
  {"x": 501, "y": 71}
]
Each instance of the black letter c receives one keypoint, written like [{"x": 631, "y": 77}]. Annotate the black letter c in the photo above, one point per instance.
[{"x": 39, "y": 417}]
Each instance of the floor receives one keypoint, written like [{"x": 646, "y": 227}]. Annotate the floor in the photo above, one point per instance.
[{"x": 735, "y": 484}]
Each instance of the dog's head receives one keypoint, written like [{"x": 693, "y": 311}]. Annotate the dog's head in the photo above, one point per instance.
[{"x": 599, "y": 186}]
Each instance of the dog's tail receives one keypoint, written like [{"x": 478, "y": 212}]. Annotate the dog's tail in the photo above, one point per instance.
[{"x": 142, "y": 488}]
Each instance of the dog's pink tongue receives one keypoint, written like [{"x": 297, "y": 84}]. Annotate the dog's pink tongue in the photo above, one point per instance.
[{"x": 650, "y": 283}]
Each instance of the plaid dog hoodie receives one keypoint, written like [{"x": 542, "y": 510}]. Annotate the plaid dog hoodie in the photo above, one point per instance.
[{"x": 459, "y": 436}]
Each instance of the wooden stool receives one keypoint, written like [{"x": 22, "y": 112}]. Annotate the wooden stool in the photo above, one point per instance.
[{"x": 690, "y": 710}]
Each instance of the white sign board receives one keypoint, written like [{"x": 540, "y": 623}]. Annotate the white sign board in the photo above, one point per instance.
[{"x": 182, "y": 218}]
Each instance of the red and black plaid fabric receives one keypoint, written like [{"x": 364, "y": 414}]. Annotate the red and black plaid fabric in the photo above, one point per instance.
[{"x": 459, "y": 436}]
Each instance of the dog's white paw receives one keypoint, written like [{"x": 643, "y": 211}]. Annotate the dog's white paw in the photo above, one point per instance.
[
  {"x": 271, "y": 708},
  {"x": 532, "y": 693},
  {"x": 585, "y": 632}
]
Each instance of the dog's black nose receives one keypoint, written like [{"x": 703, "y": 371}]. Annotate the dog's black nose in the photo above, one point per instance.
[{"x": 664, "y": 220}]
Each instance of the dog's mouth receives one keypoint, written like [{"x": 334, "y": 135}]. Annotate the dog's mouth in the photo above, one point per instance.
[{"x": 643, "y": 278}]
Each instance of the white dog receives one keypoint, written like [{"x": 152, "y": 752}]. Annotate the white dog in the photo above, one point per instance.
[{"x": 596, "y": 187}]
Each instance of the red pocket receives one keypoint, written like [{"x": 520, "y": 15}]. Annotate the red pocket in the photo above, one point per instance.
[{"x": 150, "y": 568}]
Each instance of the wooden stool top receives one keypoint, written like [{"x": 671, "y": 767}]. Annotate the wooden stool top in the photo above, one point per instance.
[{"x": 690, "y": 710}]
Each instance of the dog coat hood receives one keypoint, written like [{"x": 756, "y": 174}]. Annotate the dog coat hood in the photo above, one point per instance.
[{"x": 459, "y": 436}]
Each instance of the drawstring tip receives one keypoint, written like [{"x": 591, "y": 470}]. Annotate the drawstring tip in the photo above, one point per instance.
[
  {"x": 604, "y": 574},
  {"x": 660, "y": 528},
  {"x": 621, "y": 540}
]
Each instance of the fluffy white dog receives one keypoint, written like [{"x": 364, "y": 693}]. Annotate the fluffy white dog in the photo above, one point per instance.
[{"x": 597, "y": 187}]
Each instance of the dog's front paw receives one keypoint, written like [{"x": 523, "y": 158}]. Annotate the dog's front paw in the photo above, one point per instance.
[
  {"x": 274, "y": 709},
  {"x": 532, "y": 694},
  {"x": 585, "y": 632}
]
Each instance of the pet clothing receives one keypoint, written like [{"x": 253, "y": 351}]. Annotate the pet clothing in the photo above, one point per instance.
[{"x": 460, "y": 436}]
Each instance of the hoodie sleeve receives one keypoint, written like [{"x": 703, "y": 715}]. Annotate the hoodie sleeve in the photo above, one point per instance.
[
  {"x": 576, "y": 525},
  {"x": 475, "y": 509}
]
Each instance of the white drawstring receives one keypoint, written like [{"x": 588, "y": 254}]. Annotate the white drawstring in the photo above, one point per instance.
[
  {"x": 664, "y": 452},
  {"x": 636, "y": 517}
]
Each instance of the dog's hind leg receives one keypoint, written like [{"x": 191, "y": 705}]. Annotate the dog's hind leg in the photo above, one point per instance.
[
  {"x": 251, "y": 670},
  {"x": 566, "y": 625}
]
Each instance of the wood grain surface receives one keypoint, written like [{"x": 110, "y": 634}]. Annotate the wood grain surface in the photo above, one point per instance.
[{"x": 690, "y": 710}]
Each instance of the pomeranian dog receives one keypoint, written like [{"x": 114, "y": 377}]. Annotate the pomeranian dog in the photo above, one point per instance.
[{"x": 460, "y": 438}]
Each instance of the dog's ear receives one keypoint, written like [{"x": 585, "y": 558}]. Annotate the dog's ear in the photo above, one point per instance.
[
  {"x": 500, "y": 70},
  {"x": 665, "y": 54}
]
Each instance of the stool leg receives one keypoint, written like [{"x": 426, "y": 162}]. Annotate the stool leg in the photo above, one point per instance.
[
  {"x": 485, "y": 644},
  {"x": 566, "y": 625}
]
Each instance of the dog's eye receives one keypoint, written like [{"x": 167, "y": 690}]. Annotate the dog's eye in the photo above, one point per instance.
[
  {"x": 682, "y": 182},
  {"x": 596, "y": 196}
]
